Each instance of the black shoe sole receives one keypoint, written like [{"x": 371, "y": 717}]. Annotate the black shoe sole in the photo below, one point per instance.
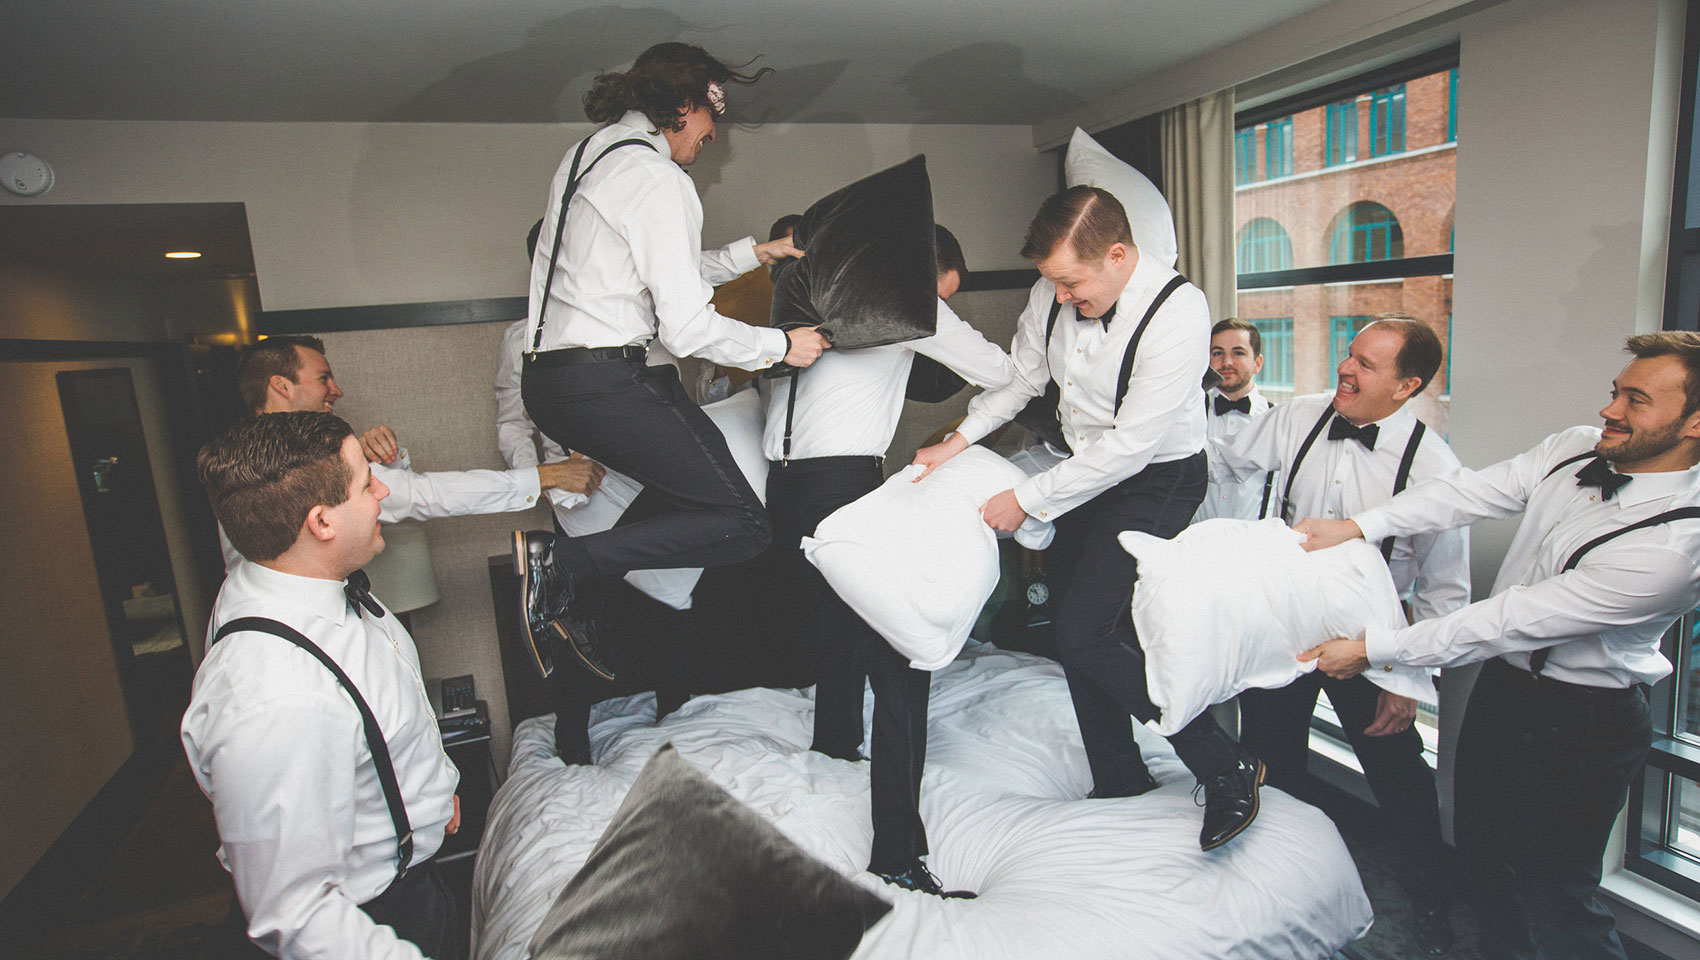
[
  {"x": 1256, "y": 805},
  {"x": 600, "y": 671},
  {"x": 522, "y": 569}
]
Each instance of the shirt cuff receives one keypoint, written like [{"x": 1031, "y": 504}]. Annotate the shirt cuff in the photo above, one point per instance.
[
  {"x": 1374, "y": 528},
  {"x": 528, "y": 483},
  {"x": 1380, "y": 648},
  {"x": 743, "y": 254},
  {"x": 774, "y": 354},
  {"x": 1035, "y": 503},
  {"x": 567, "y": 500},
  {"x": 974, "y": 428}
]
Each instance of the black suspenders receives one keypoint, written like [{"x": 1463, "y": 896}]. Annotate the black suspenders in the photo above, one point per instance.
[
  {"x": 1401, "y": 479},
  {"x": 374, "y": 735},
  {"x": 1538, "y": 659},
  {"x": 574, "y": 178}
]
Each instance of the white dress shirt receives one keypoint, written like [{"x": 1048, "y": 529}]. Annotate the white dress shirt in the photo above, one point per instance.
[
  {"x": 1234, "y": 499},
  {"x": 1162, "y": 417},
  {"x": 1603, "y": 620},
  {"x": 1340, "y": 478},
  {"x": 440, "y": 493},
  {"x": 849, "y": 401},
  {"x": 279, "y": 749},
  {"x": 632, "y": 265}
]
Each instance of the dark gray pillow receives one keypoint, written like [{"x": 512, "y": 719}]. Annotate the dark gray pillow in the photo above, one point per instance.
[
  {"x": 686, "y": 871},
  {"x": 868, "y": 275}
]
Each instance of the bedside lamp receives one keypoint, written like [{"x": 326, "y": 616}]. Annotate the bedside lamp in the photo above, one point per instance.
[{"x": 401, "y": 576}]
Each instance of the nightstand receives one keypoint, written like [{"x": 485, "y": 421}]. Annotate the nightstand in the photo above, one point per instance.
[{"x": 467, "y": 742}]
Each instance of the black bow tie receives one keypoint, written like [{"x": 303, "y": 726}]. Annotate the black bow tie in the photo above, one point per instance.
[
  {"x": 1598, "y": 473},
  {"x": 1342, "y": 429},
  {"x": 1109, "y": 315},
  {"x": 358, "y": 590},
  {"x": 1223, "y": 405}
]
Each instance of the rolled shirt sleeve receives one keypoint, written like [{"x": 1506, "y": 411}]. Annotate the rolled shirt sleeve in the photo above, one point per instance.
[{"x": 455, "y": 493}]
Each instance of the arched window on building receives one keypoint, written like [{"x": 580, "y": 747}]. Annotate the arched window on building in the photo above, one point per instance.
[
  {"x": 1366, "y": 231},
  {"x": 1264, "y": 246}
]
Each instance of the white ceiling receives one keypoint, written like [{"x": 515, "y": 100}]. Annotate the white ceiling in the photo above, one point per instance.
[{"x": 529, "y": 61}]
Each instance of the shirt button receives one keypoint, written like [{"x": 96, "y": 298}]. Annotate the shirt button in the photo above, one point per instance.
[
  {"x": 1331, "y": 513},
  {"x": 1071, "y": 383},
  {"x": 1387, "y": 669}
]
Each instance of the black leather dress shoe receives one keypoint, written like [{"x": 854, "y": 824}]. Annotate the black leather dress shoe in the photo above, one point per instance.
[
  {"x": 1431, "y": 932},
  {"x": 547, "y": 611},
  {"x": 917, "y": 877},
  {"x": 1230, "y": 801}
]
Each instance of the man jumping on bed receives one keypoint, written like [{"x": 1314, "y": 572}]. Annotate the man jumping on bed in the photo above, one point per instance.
[
  {"x": 308, "y": 727},
  {"x": 1125, "y": 341},
  {"x": 826, "y": 443}
]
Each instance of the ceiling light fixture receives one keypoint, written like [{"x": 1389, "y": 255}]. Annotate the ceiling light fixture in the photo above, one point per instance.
[{"x": 182, "y": 255}]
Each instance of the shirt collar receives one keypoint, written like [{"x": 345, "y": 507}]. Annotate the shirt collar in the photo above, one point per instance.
[
  {"x": 308, "y": 597},
  {"x": 641, "y": 126},
  {"x": 1646, "y": 487},
  {"x": 1141, "y": 285}
]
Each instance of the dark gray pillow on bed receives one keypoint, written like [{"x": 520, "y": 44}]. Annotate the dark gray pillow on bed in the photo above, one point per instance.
[{"x": 686, "y": 871}]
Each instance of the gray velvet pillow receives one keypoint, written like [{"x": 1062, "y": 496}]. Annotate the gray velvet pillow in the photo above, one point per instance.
[{"x": 686, "y": 871}]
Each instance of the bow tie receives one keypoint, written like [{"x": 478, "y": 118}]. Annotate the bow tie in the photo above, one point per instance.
[
  {"x": 1109, "y": 315},
  {"x": 358, "y": 590},
  {"x": 1243, "y": 405},
  {"x": 1342, "y": 429},
  {"x": 1598, "y": 473}
]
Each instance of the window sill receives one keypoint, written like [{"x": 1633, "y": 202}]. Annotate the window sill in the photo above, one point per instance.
[{"x": 1661, "y": 918}]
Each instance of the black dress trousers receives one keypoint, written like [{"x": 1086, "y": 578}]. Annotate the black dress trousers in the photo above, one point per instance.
[
  {"x": 800, "y": 495},
  {"x": 1096, "y": 643}
]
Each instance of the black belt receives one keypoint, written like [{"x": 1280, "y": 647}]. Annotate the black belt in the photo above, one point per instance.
[
  {"x": 1555, "y": 685},
  {"x": 878, "y": 463},
  {"x": 572, "y": 355}
]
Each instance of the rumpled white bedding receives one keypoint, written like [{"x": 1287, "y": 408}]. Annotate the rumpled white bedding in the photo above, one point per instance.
[{"x": 1057, "y": 875}]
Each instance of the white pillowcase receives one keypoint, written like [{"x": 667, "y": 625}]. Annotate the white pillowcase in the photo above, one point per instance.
[
  {"x": 916, "y": 560},
  {"x": 1229, "y": 604},
  {"x": 740, "y": 418},
  {"x": 1153, "y": 223}
]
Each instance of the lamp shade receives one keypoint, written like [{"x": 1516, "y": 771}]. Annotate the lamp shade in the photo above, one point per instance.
[{"x": 401, "y": 575}]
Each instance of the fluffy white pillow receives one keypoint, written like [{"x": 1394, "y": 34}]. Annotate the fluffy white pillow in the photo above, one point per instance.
[
  {"x": 916, "y": 560},
  {"x": 1229, "y": 604},
  {"x": 1148, "y": 214},
  {"x": 740, "y": 418}
]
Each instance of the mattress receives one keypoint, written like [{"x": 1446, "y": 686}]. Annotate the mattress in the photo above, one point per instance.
[{"x": 1057, "y": 875}]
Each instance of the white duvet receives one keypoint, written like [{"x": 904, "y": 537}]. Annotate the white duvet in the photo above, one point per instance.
[{"x": 1058, "y": 876}]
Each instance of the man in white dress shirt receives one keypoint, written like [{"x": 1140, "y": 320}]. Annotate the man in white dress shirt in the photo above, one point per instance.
[
  {"x": 1133, "y": 416},
  {"x": 621, "y": 264},
  {"x": 332, "y": 793},
  {"x": 1557, "y": 725},
  {"x": 1340, "y": 453},
  {"x": 1236, "y": 354},
  {"x": 827, "y": 431},
  {"x": 285, "y": 373}
]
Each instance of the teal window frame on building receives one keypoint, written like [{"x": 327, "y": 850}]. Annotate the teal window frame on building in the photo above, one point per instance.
[
  {"x": 1387, "y": 121},
  {"x": 1366, "y": 231},
  {"x": 1341, "y": 330},
  {"x": 1278, "y": 148},
  {"x": 1264, "y": 245},
  {"x": 1452, "y": 106},
  {"x": 1245, "y": 155},
  {"x": 1342, "y": 133},
  {"x": 1276, "y": 334}
]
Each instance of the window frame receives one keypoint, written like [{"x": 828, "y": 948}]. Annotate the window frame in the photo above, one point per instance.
[
  {"x": 1387, "y": 119},
  {"x": 1278, "y": 148},
  {"x": 1340, "y": 133},
  {"x": 1245, "y": 156}
]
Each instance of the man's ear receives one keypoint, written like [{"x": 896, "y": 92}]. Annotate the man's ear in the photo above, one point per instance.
[
  {"x": 280, "y": 385},
  {"x": 1257, "y": 368},
  {"x": 319, "y": 524},
  {"x": 1407, "y": 388},
  {"x": 1691, "y": 429}
]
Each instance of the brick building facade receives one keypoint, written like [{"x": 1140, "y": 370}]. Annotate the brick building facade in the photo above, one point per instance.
[{"x": 1370, "y": 178}]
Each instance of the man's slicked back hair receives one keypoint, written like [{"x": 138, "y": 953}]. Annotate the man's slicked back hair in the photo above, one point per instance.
[
  {"x": 1252, "y": 333},
  {"x": 1089, "y": 219},
  {"x": 1681, "y": 344},
  {"x": 265, "y": 473}
]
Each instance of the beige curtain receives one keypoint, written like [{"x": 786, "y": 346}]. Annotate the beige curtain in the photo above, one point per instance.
[{"x": 1198, "y": 180}]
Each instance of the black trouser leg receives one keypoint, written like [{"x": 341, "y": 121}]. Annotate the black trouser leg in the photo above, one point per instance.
[
  {"x": 1275, "y": 728},
  {"x": 638, "y": 420},
  {"x": 575, "y": 693},
  {"x": 421, "y": 910},
  {"x": 1096, "y": 643},
  {"x": 676, "y": 636},
  {"x": 1543, "y": 769},
  {"x": 901, "y": 694}
]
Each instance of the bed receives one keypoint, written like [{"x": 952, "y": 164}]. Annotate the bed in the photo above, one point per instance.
[{"x": 1057, "y": 875}]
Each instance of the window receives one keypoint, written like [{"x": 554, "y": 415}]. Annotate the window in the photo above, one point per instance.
[
  {"x": 1278, "y": 148},
  {"x": 1387, "y": 121},
  {"x": 1663, "y": 842},
  {"x": 1245, "y": 155},
  {"x": 1452, "y": 105},
  {"x": 1276, "y": 333},
  {"x": 1264, "y": 246},
  {"x": 1366, "y": 231},
  {"x": 1341, "y": 332},
  {"x": 1342, "y": 132}
]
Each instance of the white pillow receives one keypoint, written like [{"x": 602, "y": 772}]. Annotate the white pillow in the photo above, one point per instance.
[
  {"x": 916, "y": 560},
  {"x": 1229, "y": 604},
  {"x": 740, "y": 418},
  {"x": 1153, "y": 223}
]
